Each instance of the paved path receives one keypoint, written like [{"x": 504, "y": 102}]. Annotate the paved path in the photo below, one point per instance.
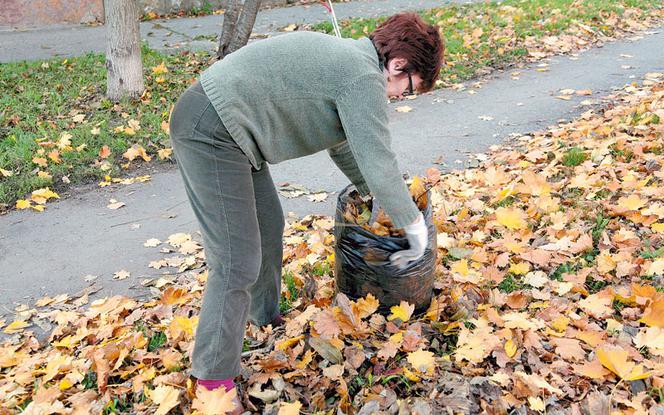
[
  {"x": 187, "y": 33},
  {"x": 51, "y": 252}
]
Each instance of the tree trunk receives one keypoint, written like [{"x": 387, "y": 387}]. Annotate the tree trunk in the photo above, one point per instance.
[
  {"x": 238, "y": 22},
  {"x": 123, "y": 52}
]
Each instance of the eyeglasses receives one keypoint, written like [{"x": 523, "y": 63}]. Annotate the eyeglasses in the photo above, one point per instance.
[{"x": 410, "y": 85}]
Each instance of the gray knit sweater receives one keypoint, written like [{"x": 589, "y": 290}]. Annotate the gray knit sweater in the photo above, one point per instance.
[{"x": 300, "y": 93}]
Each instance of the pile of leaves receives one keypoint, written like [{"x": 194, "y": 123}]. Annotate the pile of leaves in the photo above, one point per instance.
[
  {"x": 549, "y": 299},
  {"x": 373, "y": 218}
]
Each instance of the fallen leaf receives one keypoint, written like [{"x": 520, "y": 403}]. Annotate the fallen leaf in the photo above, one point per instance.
[
  {"x": 291, "y": 408},
  {"x": 402, "y": 311},
  {"x": 114, "y": 204},
  {"x": 615, "y": 360},
  {"x": 214, "y": 402},
  {"x": 121, "y": 275},
  {"x": 167, "y": 397}
]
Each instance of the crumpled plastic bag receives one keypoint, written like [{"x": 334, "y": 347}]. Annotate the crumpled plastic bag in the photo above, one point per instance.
[{"x": 362, "y": 262}]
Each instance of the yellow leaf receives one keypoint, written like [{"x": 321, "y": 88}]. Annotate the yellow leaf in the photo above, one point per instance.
[
  {"x": 536, "y": 404},
  {"x": 521, "y": 268},
  {"x": 16, "y": 326},
  {"x": 605, "y": 263},
  {"x": 410, "y": 375},
  {"x": 22, "y": 204},
  {"x": 560, "y": 323},
  {"x": 182, "y": 324},
  {"x": 597, "y": 306},
  {"x": 632, "y": 202},
  {"x": 65, "y": 384},
  {"x": 54, "y": 155},
  {"x": 657, "y": 267},
  {"x": 653, "y": 339},
  {"x": 657, "y": 227},
  {"x": 291, "y": 408},
  {"x": 364, "y": 307},
  {"x": 42, "y": 195},
  {"x": 306, "y": 359},
  {"x": 510, "y": 348},
  {"x": 56, "y": 365},
  {"x": 511, "y": 218},
  {"x": 214, "y": 402},
  {"x": 287, "y": 343},
  {"x": 6, "y": 173},
  {"x": 402, "y": 311},
  {"x": 417, "y": 190},
  {"x": 164, "y": 153},
  {"x": 423, "y": 361},
  {"x": 64, "y": 141},
  {"x": 160, "y": 69},
  {"x": 167, "y": 397},
  {"x": 40, "y": 161},
  {"x": 654, "y": 314},
  {"x": 616, "y": 361},
  {"x": 135, "y": 151},
  {"x": 435, "y": 309}
]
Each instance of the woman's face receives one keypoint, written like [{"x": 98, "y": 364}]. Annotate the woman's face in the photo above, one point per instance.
[{"x": 398, "y": 82}]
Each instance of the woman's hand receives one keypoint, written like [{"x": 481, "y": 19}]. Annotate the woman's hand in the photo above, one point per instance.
[{"x": 417, "y": 236}]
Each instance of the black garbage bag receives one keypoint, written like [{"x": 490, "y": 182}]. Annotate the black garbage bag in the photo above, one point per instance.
[{"x": 362, "y": 262}]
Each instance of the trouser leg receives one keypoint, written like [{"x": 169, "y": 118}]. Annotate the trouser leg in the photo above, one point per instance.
[
  {"x": 266, "y": 292},
  {"x": 218, "y": 182}
]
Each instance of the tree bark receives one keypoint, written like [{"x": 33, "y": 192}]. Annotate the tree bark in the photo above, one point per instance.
[
  {"x": 123, "y": 52},
  {"x": 239, "y": 21}
]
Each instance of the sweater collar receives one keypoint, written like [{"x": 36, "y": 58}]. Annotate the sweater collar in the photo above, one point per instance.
[{"x": 368, "y": 43}]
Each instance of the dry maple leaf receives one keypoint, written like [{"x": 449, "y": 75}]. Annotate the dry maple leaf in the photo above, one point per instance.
[
  {"x": 423, "y": 361},
  {"x": 291, "y": 408},
  {"x": 616, "y": 360},
  {"x": 654, "y": 314},
  {"x": 403, "y": 311},
  {"x": 167, "y": 397},
  {"x": 511, "y": 218},
  {"x": 214, "y": 402}
]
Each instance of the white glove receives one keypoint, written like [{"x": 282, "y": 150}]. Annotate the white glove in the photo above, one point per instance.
[{"x": 417, "y": 236}]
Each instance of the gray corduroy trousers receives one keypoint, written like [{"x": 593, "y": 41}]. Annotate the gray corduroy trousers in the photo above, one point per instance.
[{"x": 242, "y": 223}]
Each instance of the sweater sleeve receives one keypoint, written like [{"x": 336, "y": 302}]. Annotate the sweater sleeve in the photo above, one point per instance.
[
  {"x": 362, "y": 108},
  {"x": 343, "y": 158}
]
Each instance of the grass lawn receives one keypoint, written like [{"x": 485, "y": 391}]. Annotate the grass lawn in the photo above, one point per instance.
[{"x": 55, "y": 121}]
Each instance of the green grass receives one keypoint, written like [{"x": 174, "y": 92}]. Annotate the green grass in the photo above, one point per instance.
[
  {"x": 156, "y": 341},
  {"x": 574, "y": 157},
  {"x": 291, "y": 295},
  {"x": 489, "y": 35},
  {"x": 38, "y": 102}
]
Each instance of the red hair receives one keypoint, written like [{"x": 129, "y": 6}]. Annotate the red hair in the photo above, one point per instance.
[{"x": 407, "y": 36}]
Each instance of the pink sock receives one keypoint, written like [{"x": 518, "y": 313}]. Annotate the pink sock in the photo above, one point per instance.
[{"x": 210, "y": 384}]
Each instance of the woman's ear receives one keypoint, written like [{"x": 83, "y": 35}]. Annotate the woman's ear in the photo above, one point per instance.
[{"x": 396, "y": 65}]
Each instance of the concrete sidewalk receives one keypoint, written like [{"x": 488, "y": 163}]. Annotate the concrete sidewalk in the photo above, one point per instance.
[
  {"x": 188, "y": 33},
  {"x": 51, "y": 252}
]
